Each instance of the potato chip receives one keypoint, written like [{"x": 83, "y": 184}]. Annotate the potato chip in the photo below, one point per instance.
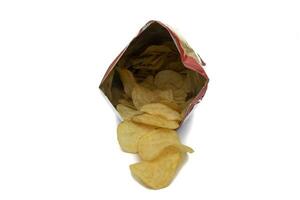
[
  {"x": 127, "y": 103},
  {"x": 129, "y": 134},
  {"x": 148, "y": 83},
  {"x": 165, "y": 95},
  {"x": 171, "y": 45},
  {"x": 187, "y": 84},
  {"x": 149, "y": 79},
  {"x": 153, "y": 62},
  {"x": 140, "y": 75},
  {"x": 126, "y": 112},
  {"x": 142, "y": 96},
  {"x": 156, "y": 49},
  {"x": 141, "y": 61},
  {"x": 154, "y": 142},
  {"x": 168, "y": 79},
  {"x": 158, "y": 173},
  {"x": 183, "y": 148},
  {"x": 179, "y": 95},
  {"x": 128, "y": 80},
  {"x": 196, "y": 80},
  {"x": 171, "y": 104},
  {"x": 174, "y": 65},
  {"x": 155, "y": 120},
  {"x": 161, "y": 110}
]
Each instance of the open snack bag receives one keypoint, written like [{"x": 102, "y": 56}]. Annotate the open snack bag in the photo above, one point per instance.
[{"x": 154, "y": 84}]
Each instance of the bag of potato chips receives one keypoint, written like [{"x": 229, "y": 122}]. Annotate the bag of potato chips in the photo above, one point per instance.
[{"x": 154, "y": 84}]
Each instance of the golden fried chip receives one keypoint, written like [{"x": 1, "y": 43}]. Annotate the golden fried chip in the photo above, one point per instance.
[
  {"x": 127, "y": 103},
  {"x": 158, "y": 173},
  {"x": 179, "y": 95},
  {"x": 148, "y": 82},
  {"x": 154, "y": 142},
  {"x": 155, "y": 120},
  {"x": 171, "y": 45},
  {"x": 187, "y": 84},
  {"x": 129, "y": 134},
  {"x": 195, "y": 80},
  {"x": 128, "y": 80},
  {"x": 126, "y": 112},
  {"x": 151, "y": 61},
  {"x": 171, "y": 104},
  {"x": 165, "y": 95},
  {"x": 168, "y": 79},
  {"x": 142, "y": 96},
  {"x": 149, "y": 79},
  {"x": 183, "y": 148},
  {"x": 161, "y": 110},
  {"x": 156, "y": 49},
  {"x": 175, "y": 65}
]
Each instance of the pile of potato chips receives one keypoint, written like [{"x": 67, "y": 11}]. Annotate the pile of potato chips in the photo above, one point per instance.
[{"x": 152, "y": 105}]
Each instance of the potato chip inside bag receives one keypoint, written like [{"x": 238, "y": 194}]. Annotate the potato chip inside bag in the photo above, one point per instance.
[
  {"x": 161, "y": 110},
  {"x": 155, "y": 120},
  {"x": 142, "y": 96},
  {"x": 127, "y": 112}
]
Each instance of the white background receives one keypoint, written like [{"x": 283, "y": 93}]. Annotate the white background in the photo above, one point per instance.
[{"x": 58, "y": 134}]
